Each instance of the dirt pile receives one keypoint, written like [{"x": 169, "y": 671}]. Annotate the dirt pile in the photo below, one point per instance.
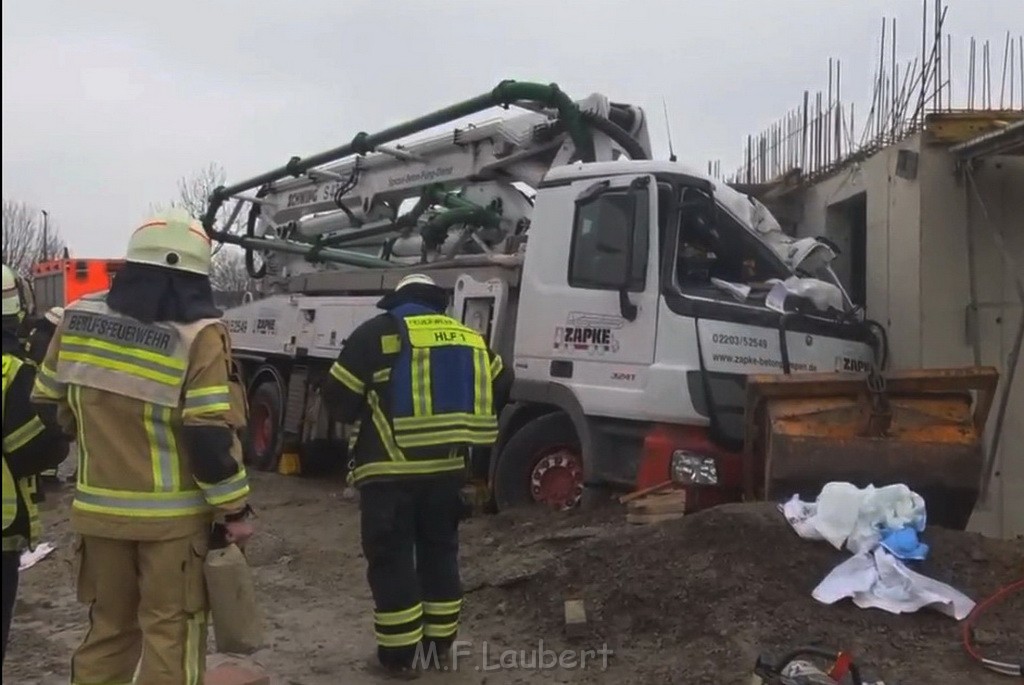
[{"x": 696, "y": 600}]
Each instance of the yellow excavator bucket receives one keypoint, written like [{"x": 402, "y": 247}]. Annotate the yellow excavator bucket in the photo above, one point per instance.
[{"x": 923, "y": 428}]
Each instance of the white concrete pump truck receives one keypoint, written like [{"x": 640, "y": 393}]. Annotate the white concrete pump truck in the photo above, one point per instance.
[{"x": 632, "y": 297}]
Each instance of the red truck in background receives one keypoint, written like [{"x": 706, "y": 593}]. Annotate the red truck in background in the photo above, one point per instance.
[{"x": 59, "y": 282}]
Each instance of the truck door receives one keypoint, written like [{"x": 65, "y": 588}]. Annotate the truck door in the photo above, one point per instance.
[
  {"x": 484, "y": 307},
  {"x": 588, "y": 309}
]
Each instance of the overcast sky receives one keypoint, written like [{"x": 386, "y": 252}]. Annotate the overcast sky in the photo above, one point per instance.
[{"x": 106, "y": 104}]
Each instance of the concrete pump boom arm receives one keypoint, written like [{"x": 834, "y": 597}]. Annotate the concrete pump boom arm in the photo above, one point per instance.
[{"x": 352, "y": 183}]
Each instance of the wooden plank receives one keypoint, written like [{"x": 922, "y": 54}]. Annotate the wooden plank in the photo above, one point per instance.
[
  {"x": 956, "y": 127},
  {"x": 657, "y": 506},
  {"x": 664, "y": 506},
  {"x": 646, "y": 491}
]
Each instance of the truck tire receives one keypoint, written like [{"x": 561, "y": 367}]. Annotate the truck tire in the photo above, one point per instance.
[
  {"x": 264, "y": 432},
  {"x": 541, "y": 464}
]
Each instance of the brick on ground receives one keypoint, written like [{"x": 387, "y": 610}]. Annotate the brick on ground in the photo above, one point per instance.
[
  {"x": 575, "y": 617},
  {"x": 233, "y": 674}
]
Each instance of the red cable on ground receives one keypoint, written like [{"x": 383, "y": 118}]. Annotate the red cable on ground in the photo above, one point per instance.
[{"x": 1004, "y": 668}]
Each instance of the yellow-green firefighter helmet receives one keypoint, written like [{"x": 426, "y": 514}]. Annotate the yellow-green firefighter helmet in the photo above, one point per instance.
[
  {"x": 173, "y": 240},
  {"x": 12, "y": 301}
]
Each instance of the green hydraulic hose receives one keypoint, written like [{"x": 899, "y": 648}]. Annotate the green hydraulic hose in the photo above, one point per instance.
[
  {"x": 439, "y": 225},
  {"x": 504, "y": 94}
]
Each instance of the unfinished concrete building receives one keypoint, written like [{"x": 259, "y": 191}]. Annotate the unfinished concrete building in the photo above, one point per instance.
[
  {"x": 930, "y": 231},
  {"x": 925, "y": 206}
]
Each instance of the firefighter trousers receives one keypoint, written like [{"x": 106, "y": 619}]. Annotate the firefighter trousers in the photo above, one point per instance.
[
  {"x": 11, "y": 562},
  {"x": 410, "y": 536},
  {"x": 147, "y": 611}
]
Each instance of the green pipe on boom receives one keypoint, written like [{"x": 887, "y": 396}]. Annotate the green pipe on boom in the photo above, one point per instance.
[
  {"x": 313, "y": 253},
  {"x": 459, "y": 211},
  {"x": 505, "y": 93}
]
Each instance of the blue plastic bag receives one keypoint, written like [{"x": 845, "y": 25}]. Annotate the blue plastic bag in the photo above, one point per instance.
[{"x": 903, "y": 543}]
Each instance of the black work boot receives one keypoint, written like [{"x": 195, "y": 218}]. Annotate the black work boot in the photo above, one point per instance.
[
  {"x": 435, "y": 655},
  {"x": 393, "y": 668}
]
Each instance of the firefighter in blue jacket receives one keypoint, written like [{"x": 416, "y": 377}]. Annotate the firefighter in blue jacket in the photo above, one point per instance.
[{"x": 421, "y": 388}]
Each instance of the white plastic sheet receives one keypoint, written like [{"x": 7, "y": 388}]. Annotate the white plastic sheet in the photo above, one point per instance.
[
  {"x": 857, "y": 518},
  {"x": 30, "y": 559},
  {"x": 881, "y": 581}
]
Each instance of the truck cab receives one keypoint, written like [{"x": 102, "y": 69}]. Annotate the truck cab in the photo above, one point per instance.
[{"x": 649, "y": 292}]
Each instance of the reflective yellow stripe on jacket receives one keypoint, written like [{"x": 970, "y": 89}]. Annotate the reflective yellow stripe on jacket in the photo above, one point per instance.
[
  {"x": 10, "y": 509},
  {"x": 415, "y": 467},
  {"x": 139, "y": 504},
  {"x": 212, "y": 400},
  {"x": 47, "y": 385},
  {"x": 397, "y": 464},
  {"x": 20, "y": 437},
  {"x": 425, "y": 427},
  {"x": 347, "y": 378},
  {"x": 233, "y": 488},
  {"x": 102, "y": 350}
]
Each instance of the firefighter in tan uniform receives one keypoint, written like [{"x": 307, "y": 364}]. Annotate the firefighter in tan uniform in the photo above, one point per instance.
[
  {"x": 36, "y": 344},
  {"x": 142, "y": 378}
]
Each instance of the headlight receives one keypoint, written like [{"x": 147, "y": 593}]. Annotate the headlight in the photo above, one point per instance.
[{"x": 691, "y": 468}]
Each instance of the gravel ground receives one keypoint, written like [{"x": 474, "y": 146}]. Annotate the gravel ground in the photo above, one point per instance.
[{"x": 688, "y": 601}]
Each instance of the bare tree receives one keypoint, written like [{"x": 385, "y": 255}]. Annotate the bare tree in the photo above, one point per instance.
[
  {"x": 24, "y": 243},
  {"x": 194, "y": 191},
  {"x": 228, "y": 272}
]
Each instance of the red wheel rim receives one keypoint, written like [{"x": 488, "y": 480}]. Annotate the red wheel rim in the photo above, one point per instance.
[
  {"x": 557, "y": 478},
  {"x": 263, "y": 428}
]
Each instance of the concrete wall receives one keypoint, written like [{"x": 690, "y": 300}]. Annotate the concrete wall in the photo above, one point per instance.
[
  {"x": 921, "y": 232},
  {"x": 893, "y": 239},
  {"x": 974, "y": 217}
]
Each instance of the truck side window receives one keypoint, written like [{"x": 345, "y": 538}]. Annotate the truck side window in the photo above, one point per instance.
[
  {"x": 605, "y": 218},
  {"x": 715, "y": 245}
]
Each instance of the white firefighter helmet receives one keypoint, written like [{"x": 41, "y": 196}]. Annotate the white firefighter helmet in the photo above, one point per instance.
[
  {"x": 13, "y": 304},
  {"x": 54, "y": 315},
  {"x": 173, "y": 240},
  {"x": 422, "y": 279}
]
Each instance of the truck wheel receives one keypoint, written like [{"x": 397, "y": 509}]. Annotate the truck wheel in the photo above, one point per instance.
[
  {"x": 541, "y": 464},
  {"x": 263, "y": 447}
]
